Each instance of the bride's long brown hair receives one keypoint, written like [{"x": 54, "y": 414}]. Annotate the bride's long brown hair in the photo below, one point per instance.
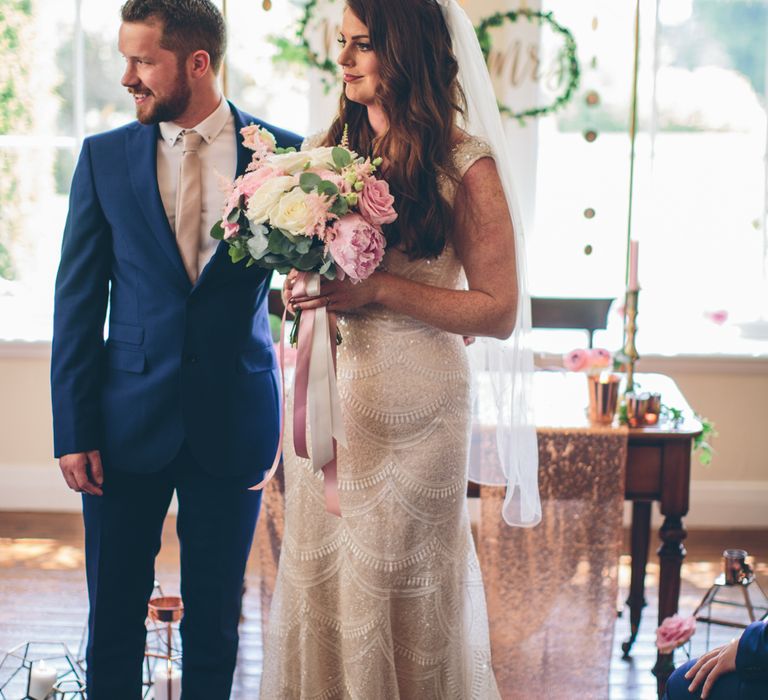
[{"x": 420, "y": 95}]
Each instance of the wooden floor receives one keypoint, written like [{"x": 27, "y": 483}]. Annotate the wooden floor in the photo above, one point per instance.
[{"x": 42, "y": 594}]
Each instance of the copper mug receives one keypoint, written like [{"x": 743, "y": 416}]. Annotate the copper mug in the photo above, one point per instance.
[{"x": 603, "y": 398}]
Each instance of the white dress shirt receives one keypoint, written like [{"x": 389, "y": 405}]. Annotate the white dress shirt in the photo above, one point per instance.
[{"x": 218, "y": 161}]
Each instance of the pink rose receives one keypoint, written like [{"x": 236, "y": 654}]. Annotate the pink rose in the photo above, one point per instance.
[
  {"x": 599, "y": 358},
  {"x": 356, "y": 246},
  {"x": 376, "y": 204},
  {"x": 674, "y": 632},
  {"x": 251, "y": 182},
  {"x": 576, "y": 360}
]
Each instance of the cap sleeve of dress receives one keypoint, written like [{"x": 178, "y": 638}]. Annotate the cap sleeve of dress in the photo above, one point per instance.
[{"x": 468, "y": 151}]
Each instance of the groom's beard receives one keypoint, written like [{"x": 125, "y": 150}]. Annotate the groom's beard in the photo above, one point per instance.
[{"x": 163, "y": 109}]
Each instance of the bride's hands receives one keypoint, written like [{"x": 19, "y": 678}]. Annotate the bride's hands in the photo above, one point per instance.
[{"x": 338, "y": 296}]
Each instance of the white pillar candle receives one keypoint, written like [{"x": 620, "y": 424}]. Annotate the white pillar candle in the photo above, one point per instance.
[
  {"x": 41, "y": 680},
  {"x": 163, "y": 689}
]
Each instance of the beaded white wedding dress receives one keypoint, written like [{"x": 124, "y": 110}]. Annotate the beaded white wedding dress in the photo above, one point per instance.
[{"x": 387, "y": 601}]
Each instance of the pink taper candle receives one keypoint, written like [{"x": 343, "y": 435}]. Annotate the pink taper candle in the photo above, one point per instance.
[{"x": 633, "y": 253}]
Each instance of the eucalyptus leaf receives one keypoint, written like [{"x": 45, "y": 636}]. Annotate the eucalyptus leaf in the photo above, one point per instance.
[
  {"x": 233, "y": 216},
  {"x": 340, "y": 207},
  {"x": 217, "y": 232},
  {"x": 258, "y": 246},
  {"x": 328, "y": 188},
  {"x": 237, "y": 254},
  {"x": 341, "y": 157},
  {"x": 303, "y": 245},
  {"x": 308, "y": 181}
]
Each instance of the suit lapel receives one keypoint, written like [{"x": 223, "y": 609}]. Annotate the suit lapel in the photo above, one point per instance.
[{"x": 141, "y": 146}]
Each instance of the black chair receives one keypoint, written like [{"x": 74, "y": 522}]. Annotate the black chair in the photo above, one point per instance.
[{"x": 564, "y": 313}]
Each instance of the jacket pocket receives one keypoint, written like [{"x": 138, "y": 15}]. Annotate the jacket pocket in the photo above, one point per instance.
[
  {"x": 133, "y": 335},
  {"x": 256, "y": 360},
  {"x": 127, "y": 360}
]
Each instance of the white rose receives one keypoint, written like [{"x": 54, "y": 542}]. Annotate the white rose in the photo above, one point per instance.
[
  {"x": 321, "y": 157},
  {"x": 290, "y": 162},
  {"x": 291, "y": 213},
  {"x": 263, "y": 200}
]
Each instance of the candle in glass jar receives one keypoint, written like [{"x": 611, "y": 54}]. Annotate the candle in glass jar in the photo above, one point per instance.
[
  {"x": 41, "y": 680},
  {"x": 634, "y": 249}
]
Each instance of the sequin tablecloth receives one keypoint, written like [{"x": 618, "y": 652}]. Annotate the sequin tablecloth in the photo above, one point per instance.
[{"x": 552, "y": 589}]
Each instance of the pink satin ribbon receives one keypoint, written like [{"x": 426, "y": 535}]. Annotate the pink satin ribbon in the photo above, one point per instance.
[{"x": 301, "y": 387}]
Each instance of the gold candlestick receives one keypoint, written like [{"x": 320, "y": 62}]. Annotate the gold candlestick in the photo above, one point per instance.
[{"x": 630, "y": 333}]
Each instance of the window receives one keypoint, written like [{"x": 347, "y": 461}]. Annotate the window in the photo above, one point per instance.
[
  {"x": 59, "y": 82},
  {"x": 699, "y": 198}
]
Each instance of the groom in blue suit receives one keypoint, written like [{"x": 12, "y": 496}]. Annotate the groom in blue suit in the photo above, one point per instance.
[{"x": 183, "y": 396}]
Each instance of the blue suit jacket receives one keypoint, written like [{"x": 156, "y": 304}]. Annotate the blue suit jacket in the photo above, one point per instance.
[{"x": 180, "y": 362}]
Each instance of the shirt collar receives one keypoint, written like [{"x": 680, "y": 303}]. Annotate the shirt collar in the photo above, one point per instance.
[{"x": 209, "y": 128}]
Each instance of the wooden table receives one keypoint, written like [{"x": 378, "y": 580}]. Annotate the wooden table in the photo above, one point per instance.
[{"x": 658, "y": 468}]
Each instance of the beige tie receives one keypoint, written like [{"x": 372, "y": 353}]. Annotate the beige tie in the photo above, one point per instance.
[{"x": 188, "y": 204}]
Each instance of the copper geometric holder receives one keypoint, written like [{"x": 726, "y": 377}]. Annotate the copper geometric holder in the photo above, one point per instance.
[
  {"x": 603, "y": 398},
  {"x": 168, "y": 609},
  {"x": 736, "y": 598},
  {"x": 164, "y": 613}
]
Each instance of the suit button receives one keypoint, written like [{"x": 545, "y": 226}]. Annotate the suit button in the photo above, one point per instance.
[{"x": 192, "y": 359}]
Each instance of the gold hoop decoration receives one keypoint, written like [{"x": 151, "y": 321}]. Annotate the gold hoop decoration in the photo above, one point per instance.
[{"x": 570, "y": 57}]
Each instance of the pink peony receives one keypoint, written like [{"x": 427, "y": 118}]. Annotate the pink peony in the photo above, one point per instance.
[
  {"x": 356, "y": 246},
  {"x": 376, "y": 203},
  {"x": 576, "y": 360},
  {"x": 674, "y": 632}
]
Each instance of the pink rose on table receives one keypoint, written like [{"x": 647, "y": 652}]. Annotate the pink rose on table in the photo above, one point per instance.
[
  {"x": 576, "y": 360},
  {"x": 599, "y": 358},
  {"x": 376, "y": 204},
  {"x": 674, "y": 632},
  {"x": 356, "y": 246}
]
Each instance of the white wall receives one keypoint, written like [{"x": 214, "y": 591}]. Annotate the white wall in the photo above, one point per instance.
[{"x": 732, "y": 491}]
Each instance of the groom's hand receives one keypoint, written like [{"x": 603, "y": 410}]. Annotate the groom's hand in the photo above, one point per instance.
[{"x": 83, "y": 472}]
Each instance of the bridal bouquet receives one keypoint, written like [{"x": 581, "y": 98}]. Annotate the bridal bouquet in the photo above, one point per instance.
[{"x": 319, "y": 211}]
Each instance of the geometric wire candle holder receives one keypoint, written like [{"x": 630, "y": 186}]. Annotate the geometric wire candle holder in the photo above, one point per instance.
[
  {"x": 736, "y": 598},
  {"x": 163, "y": 649},
  {"x": 157, "y": 591},
  {"x": 16, "y": 669}
]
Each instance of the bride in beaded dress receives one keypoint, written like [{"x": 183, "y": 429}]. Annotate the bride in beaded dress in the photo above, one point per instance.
[{"x": 387, "y": 601}]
